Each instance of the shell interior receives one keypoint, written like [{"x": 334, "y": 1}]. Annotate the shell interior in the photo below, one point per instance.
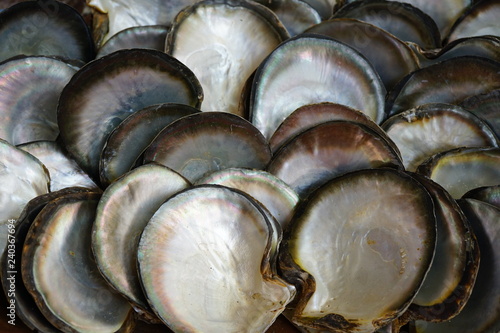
[
  {"x": 213, "y": 244},
  {"x": 311, "y": 69}
]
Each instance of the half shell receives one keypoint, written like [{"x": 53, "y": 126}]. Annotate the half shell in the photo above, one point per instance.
[
  {"x": 104, "y": 92},
  {"x": 223, "y": 42},
  {"x": 58, "y": 248},
  {"x": 49, "y": 28},
  {"x": 463, "y": 169},
  {"x": 329, "y": 150},
  {"x": 311, "y": 69},
  {"x": 199, "y": 144},
  {"x": 355, "y": 265},
  {"x": 29, "y": 92},
  {"x": 213, "y": 245},
  {"x": 116, "y": 230}
]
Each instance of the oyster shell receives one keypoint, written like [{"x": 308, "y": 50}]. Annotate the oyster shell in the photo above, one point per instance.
[
  {"x": 453, "y": 169},
  {"x": 451, "y": 278},
  {"x": 390, "y": 57},
  {"x": 429, "y": 129},
  {"x": 104, "y": 92},
  {"x": 141, "y": 37},
  {"x": 25, "y": 305},
  {"x": 296, "y": 15},
  {"x": 450, "y": 81},
  {"x": 58, "y": 248},
  {"x": 445, "y": 12},
  {"x": 204, "y": 142},
  {"x": 23, "y": 177},
  {"x": 479, "y": 20},
  {"x": 49, "y": 28},
  {"x": 329, "y": 150},
  {"x": 356, "y": 266},
  {"x": 308, "y": 116},
  {"x": 309, "y": 69},
  {"x": 274, "y": 194},
  {"x": 213, "y": 244},
  {"x": 116, "y": 231},
  {"x": 64, "y": 172},
  {"x": 126, "y": 143},
  {"x": 486, "y": 107},
  {"x": 403, "y": 20},
  {"x": 29, "y": 92},
  {"x": 122, "y": 14},
  {"x": 223, "y": 42},
  {"x": 481, "y": 313},
  {"x": 488, "y": 194}
]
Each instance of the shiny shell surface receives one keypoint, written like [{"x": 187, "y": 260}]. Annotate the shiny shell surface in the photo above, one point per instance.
[
  {"x": 199, "y": 144},
  {"x": 311, "y": 69},
  {"x": 29, "y": 92},
  {"x": 429, "y": 129},
  {"x": 329, "y": 150},
  {"x": 452, "y": 275},
  {"x": 486, "y": 107},
  {"x": 104, "y": 92},
  {"x": 263, "y": 186},
  {"x": 390, "y": 57},
  {"x": 308, "y": 116},
  {"x": 403, "y": 20},
  {"x": 450, "y": 81},
  {"x": 116, "y": 230},
  {"x": 64, "y": 171},
  {"x": 223, "y": 42},
  {"x": 127, "y": 142},
  {"x": 481, "y": 313},
  {"x": 143, "y": 37},
  {"x": 213, "y": 244},
  {"x": 453, "y": 169},
  {"x": 371, "y": 264},
  {"x": 49, "y": 28},
  {"x": 23, "y": 177},
  {"x": 58, "y": 244}
]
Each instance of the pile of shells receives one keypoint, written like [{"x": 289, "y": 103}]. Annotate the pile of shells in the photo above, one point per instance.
[{"x": 250, "y": 166}]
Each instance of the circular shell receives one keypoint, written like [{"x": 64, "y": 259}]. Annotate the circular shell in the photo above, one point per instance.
[
  {"x": 23, "y": 177},
  {"x": 213, "y": 244},
  {"x": 310, "y": 69},
  {"x": 49, "y": 28},
  {"x": 488, "y": 194},
  {"x": 223, "y": 42},
  {"x": 329, "y": 150},
  {"x": 199, "y": 144},
  {"x": 308, "y": 116},
  {"x": 29, "y": 91},
  {"x": 122, "y": 213},
  {"x": 450, "y": 280},
  {"x": 429, "y": 129},
  {"x": 127, "y": 142},
  {"x": 58, "y": 245},
  {"x": 392, "y": 58},
  {"x": 463, "y": 169},
  {"x": 357, "y": 267},
  {"x": 449, "y": 81},
  {"x": 25, "y": 306},
  {"x": 481, "y": 313},
  {"x": 479, "y": 20},
  {"x": 486, "y": 107},
  {"x": 104, "y": 92}
]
